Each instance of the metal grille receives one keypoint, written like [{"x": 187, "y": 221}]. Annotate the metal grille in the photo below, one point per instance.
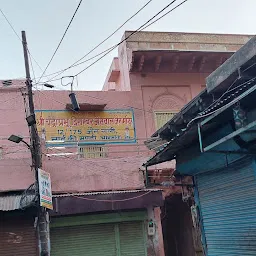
[
  {"x": 92, "y": 152},
  {"x": 161, "y": 118}
]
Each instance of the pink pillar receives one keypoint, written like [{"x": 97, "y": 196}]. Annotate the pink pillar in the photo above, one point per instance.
[{"x": 157, "y": 213}]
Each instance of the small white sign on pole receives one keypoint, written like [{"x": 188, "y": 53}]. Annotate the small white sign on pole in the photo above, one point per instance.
[{"x": 45, "y": 190}]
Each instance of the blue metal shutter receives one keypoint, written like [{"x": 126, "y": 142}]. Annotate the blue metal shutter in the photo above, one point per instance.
[
  {"x": 132, "y": 239},
  {"x": 84, "y": 240},
  {"x": 228, "y": 207}
]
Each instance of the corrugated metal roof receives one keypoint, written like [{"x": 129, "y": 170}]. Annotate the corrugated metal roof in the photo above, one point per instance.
[
  {"x": 188, "y": 135},
  {"x": 105, "y": 192},
  {"x": 219, "y": 79},
  {"x": 13, "y": 202}
]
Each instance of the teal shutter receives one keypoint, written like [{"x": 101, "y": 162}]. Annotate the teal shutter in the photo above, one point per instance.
[
  {"x": 228, "y": 204},
  {"x": 85, "y": 240},
  {"x": 132, "y": 239}
]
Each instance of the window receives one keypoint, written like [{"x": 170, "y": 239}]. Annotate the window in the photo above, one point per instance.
[
  {"x": 161, "y": 118},
  {"x": 92, "y": 152}
]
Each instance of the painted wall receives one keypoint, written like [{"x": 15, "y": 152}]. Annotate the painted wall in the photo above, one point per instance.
[
  {"x": 165, "y": 92},
  {"x": 119, "y": 171},
  {"x": 149, "y": 94},
  {"x": 144, "y": 93}
]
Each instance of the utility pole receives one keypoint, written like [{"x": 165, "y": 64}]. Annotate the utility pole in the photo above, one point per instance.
[{"x": 43, "y": 217}]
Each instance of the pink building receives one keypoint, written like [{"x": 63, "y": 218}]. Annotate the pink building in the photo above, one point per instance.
[{"x": 95, "y": 156}]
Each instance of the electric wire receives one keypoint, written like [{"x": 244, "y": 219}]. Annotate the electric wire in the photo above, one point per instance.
[
  {"x": 111, "y": 201},
  {"x": 104, "y": 160},
  {"x": 102, "y": 200},
  {"x": 19, "y": 38},
  {"x": 14, "y": 98},
  {"x": 103, "y": 171},
  {"x": 15, "y": 152},
  {"x": 98, "y": 98},
  {"x": 102, "y": 42},
  {"x": 230, "y": 89},
  {"x": 216, "y": 101},
  {"x": 32, "y": 67},
  {"x": 249, "y": 67},
  {"x": 10, "y": 25},
  {"x": 70, "y": 22},
  {"x": 132, "y": 107},
  {"x": 93, "y": 97},
  {"x": 63, "y": 70},
  {"x": 138, "y": 30},
  {"x": 76, "y": 63},
  {"x": 111, "y": 48},
  {"x": 210, "y": 113},
  {"x": 107, "y": 51},
  {"x": 82, "y": 71},
  {"x": 16, "y": 165}
]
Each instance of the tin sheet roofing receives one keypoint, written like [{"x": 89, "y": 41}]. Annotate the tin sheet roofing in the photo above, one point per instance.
[
  {"x": 244, "y": 92},
  {"x": 106, "y": 192},
  {"x": 14, "y": 202}
]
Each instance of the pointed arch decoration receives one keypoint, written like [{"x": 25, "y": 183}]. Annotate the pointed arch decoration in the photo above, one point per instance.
[{"x": 168, "y": 102}]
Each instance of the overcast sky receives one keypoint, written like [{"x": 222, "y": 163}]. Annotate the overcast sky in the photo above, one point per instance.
[{"x": 45, "y": 22}]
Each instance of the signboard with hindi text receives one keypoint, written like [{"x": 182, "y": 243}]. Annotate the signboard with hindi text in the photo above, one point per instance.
[
  {"x": 67, "y": 128},
  {"x": 45, "y": 190}
]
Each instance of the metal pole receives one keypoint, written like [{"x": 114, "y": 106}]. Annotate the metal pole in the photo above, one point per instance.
[
  {"x": 200, "y": 137},
  {"x": 43, "y": 223}
]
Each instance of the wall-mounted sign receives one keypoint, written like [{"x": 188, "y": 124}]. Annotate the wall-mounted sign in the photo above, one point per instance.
[
  {"x": 45, "y": 190},
  {"x": 67, "y": 128}
]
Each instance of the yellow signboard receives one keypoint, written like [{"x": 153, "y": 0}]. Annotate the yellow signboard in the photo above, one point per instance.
[{"x": 63, "y": 127}]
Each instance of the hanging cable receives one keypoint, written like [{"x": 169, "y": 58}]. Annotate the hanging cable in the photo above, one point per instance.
[
  {"x": 32, "y": 67},
  {"x": 136, "y": 31},
  {"x": 212, "y": 112},
  {"x": 107, "y": 51},
  {"x": 10, "y": 25},
  {"x": 61, "y": 40},
  {"x": 19, "y": 38},
  {"x": 94, "y": 97},
  {"x": 102, "y": 42}
]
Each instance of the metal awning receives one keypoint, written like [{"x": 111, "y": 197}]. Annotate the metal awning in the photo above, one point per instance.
[
  {"x": 244, "y": 94},
  {"x": 239, "y": 62},
  {"x": 105, "y": 192},
  {"x": 80, "y": 203}
]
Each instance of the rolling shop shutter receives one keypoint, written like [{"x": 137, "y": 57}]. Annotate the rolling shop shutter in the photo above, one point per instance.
[
  {"x": 91, "y": 240},
  {"x": 132, "y": 239},
  {"x": 75, "y": 238},
  {"x": 228, "y": 207},
  {"x": 17, "y": 237}
]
